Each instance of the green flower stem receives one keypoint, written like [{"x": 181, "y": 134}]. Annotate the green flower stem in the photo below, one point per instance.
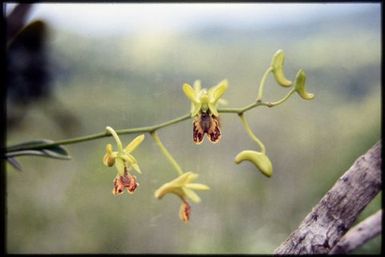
[
  {"x": 166, "y": 153},
  {"x": 239, "y": 111},
  {"x": 262, "y": 83},
  {"x": 75, "y": 140},
  {"x": 283, "y": 99},
  {"x": 149, "y": 129},
  {"x": 250, "y": 132},
  {"x": 116, "y": 137}
]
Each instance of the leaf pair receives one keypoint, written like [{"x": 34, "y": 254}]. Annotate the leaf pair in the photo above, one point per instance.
[{"x": 35, "y": 148}]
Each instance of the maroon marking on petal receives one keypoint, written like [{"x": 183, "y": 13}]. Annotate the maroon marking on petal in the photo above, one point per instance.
[
  {"x": 185, "y": 212},
  {"x": 132, "y": 185},
  {"x": 214, "y": 134},
  {"x": 197, "y": 131}
]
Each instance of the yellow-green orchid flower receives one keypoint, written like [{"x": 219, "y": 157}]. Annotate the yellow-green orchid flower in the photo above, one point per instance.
[
  {"x": 124, "y": 163},
  {"x": 183, "y": 188},
  {"x": 204, "y": 110},
  {"x": 203, "y": 100}
]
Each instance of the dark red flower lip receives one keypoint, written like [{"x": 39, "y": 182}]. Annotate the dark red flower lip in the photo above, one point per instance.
[{"x": 121, "y": 182}]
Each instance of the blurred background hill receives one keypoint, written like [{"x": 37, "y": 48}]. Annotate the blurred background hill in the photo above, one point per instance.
[{"x": 135, "y": 79}]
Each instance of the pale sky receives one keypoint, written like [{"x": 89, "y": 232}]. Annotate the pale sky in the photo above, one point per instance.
[{"x": 113, "y": 18}]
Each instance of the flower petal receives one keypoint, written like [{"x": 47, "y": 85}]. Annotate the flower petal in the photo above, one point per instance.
[
  {"x": 213, "y": 109},
  {"x": 195, "y": 109},
  {"x": 183, "y": 179},
  {"x": 190, "y": 93},
  {"x": 168, "y": 188},
  {"x": 108, "y": 160},
  {"x": 134, "y": 144},
  {"x": 118, "y": 186},
  {"x": 219, "y": 90},
  {"x": 119, "y": 164},
  {"x": 109, "y": 149},
  {"x": 192, "y": 195},
  {"x": 197, "y": 86},
  {"x": 197, "y": 186},
  {"x": 191, "y": 176},
  {"x": 136, "y": 167},
  {"x": 133, "y": 162}
]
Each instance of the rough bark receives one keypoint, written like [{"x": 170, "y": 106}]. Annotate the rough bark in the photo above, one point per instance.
[
  {"x": 359, "y": 234},
  {"x": 336, "y": 212}
]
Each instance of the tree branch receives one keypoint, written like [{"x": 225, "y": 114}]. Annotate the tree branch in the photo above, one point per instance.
[
  {"x": 323, "y": 227},
  {"x": 359, "y": 234}
]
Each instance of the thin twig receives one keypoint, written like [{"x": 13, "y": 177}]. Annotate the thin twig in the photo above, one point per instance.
[{"x": 359, "y": 234}]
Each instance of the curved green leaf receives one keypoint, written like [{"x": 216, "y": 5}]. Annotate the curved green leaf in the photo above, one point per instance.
[
  {"x": 32, "y": 148},
  {"x": 40, "y": 152}
]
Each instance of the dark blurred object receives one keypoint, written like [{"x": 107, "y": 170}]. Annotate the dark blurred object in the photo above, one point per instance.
[
  {"x": 28, "y": 77},
  {"x": 29, "y": 72},
  {"x": 16, "y": 20}
]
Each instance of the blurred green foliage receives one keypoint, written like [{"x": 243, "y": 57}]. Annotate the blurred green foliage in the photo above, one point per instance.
[{"x": 131, "y": 81}]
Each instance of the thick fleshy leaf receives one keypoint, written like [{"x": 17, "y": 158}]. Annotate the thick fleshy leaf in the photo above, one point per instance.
[
  {"x": 277, "y": 65},
  {"x": 134, "y": 143},
  {"x": 300, "y": 85},
  {"x": 192, "y": 195},
  {"x": 260, "y": 160}
]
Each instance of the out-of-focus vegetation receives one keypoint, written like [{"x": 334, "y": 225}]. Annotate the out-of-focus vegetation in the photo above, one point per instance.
[{"x": 131, "y": 81}]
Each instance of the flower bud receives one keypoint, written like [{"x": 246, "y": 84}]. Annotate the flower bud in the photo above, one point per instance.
[
  {"x": 277, "y": 65},
  {"x": 300, "y": 85},
  {"x": 260, "y": 160}
]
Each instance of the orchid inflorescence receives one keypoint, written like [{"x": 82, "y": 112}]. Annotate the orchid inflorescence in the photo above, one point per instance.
[{"x": 205, "y": 115}]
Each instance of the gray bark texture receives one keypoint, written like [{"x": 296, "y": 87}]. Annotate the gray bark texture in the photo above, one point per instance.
[
  {"x": 336, "y": 212},
  {"x": 359, "y": 234}
]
